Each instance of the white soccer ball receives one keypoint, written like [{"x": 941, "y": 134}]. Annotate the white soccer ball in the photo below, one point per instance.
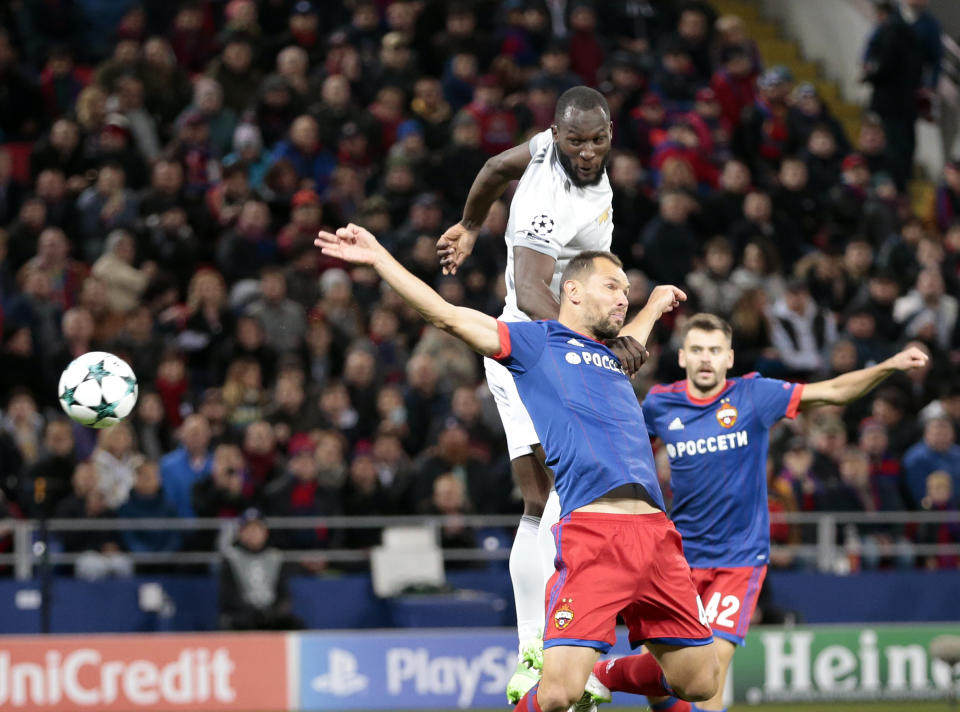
[{"x": 97, "y": 389}]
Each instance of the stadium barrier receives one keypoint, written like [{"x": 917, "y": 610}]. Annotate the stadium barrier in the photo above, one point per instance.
[
  {"x": 426, "y": 669},
  {"x": 826, "y": 551}
]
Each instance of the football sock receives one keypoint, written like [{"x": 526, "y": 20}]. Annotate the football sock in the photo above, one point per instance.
[
  {"x": 672, "y": 704},
  {"x": 528, "y": 703},
  {"x": 637, "y": 674},
  {"x": 546, "y": 544},
  {"x": 527, "y": 579}
]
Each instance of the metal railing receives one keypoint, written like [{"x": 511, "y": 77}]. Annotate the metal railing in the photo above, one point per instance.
[{"x": 823, "y": 547}]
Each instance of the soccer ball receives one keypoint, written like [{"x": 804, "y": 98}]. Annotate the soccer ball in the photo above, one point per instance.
[{"x": 97, "y": 389}]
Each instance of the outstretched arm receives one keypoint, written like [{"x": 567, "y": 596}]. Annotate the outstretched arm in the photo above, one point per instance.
[
  {"x": 850, "y": 386},
  {"x": 355, "y": 244},
  {"x": 456, "y": 244}
]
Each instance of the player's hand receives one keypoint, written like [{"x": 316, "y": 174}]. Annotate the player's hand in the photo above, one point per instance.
[
  {"x": 909, "y": 359},
  {"x": 665, "y": 298},
  {"x": 632, "y": 353},
  {"x": 454, "y": 246},
  {"x": 351, "y": 243}
]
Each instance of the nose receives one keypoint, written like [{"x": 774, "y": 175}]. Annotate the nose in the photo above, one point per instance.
[{"x": 587, "y": 153}]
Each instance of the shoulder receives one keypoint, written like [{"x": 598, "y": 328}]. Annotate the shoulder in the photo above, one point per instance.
[{"x": 665, "y": 388}]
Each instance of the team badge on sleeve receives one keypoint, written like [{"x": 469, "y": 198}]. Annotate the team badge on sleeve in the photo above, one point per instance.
[
  {"x": 727, "y": 415},
  {"x": 564, "y": 614},
  {"x": 542, "y": 226}
]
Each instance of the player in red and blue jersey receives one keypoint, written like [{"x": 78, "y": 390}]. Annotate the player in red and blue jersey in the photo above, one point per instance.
[
  {"x": 716, "y": 433},
  {"x": 613, "y": 530}
]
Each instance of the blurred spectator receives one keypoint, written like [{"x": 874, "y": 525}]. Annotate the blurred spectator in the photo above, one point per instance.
[
  {"x": 927, "y": 313},
  {"x": 46, "y": 481},
  {"x": 253, "y": 580},
  {"x": 709, "y": 283},
  {"x": 147, "y": 501},
  {"x": 124, "y": 282},
  {"x": 116, "y": 459},
  {"x": 186, "y": 465},
  {"x": 284, "y": 321},
  {"x": 939, "y": 498},
  {"x": 223, "y": 494},
  {"x": 802, "y": 332},
  {"x": 937, "y": 451},
  {"x": 893, "y": 65},
  {"x": 671, "y": 227}
]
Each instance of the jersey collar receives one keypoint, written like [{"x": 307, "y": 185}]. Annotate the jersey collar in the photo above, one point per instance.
[{"x": 705, "y": 401}]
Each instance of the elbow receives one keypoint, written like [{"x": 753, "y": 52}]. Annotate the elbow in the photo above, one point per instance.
[{"x": 526, "y": 301}]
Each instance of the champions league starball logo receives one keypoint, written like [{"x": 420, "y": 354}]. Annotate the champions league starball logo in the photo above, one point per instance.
[
  {"x": 727, "y": 415},
  {"x": 542, "y": 225}
]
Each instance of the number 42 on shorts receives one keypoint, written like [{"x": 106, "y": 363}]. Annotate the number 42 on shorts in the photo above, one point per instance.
[{"x": 719, "y": 609}]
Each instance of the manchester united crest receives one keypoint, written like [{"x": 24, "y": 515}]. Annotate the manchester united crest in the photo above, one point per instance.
[
  {"x": 727, "y": 414},
  {"x": 564, "y": 614}
]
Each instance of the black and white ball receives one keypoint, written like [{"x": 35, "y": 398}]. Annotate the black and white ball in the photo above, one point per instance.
[{"x": 97, "y": 389}]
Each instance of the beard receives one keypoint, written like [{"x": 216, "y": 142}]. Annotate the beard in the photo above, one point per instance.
[
  {"x": 703, "y": 381},
  {"x": 605, "y": 328},
  {"x": 575, "y": 178}
]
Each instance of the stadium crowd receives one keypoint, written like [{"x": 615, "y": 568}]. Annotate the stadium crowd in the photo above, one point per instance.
[{"x": 166, "y": 165}]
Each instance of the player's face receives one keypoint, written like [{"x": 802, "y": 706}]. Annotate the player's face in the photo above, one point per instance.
[
  {"x": 583, "y": 143},
  {"x": 605, "y": 299},
  {"x": 706, "y": 356}
]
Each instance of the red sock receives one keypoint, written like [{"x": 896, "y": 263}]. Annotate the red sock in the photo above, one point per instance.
[
  {"x": 637, "y": 674},
  {"x": 673, "y": 704},
  {"x": 528, "y": 703}
]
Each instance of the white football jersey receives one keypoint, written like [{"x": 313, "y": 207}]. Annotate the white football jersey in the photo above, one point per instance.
[{"x": 550, "y": 214}]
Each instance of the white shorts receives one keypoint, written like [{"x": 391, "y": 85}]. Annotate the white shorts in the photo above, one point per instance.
[{"x": 521, "y": 435}]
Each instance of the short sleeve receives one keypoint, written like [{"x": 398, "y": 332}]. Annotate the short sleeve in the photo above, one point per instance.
[
  {"x": 539, "y": 217},
  {"x": 539, "y": 141},
  {"x": 521, "y": 344},
  {"x": 774, "y": 399},
  {"x": 649, "y": 409}
]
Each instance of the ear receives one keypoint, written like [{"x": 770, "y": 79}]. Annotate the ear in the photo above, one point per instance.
[
  {"x": 730, "y": 359},
  {"x": 682, "y": 358},
  {"x": 554, "y": 133},
  {"x": 610, "y": 129},
  {"x": 571, "y": 290}
]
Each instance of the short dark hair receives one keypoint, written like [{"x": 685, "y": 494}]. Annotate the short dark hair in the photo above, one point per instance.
[
  {"x": 706, "y": 322},
  {"x": 583, "y": 263},
  {"x": 581, "y": 98}
]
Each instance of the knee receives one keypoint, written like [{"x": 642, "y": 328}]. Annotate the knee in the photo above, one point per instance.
[
  {"x": 700, "y": 685},
  {"x": 557, "y": 697}
]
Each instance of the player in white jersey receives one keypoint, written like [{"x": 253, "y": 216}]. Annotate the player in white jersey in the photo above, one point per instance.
[{"x": 562, "y": 206}]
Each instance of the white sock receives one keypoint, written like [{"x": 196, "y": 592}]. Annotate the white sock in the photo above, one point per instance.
[
  {"x": 546, "y": 545},
  {"x": 528, "y": 584}
]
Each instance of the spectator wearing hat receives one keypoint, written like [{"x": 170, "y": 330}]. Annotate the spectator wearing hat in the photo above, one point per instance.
[
  {"x": 803, "y": 332},
  {"x": 410, "y": 144},
  {"x": 948, "y": 404},
  {"x": 762, "y": 134},
  {"x": 937, "y": 450},
  {"x": 235, "y": 72},
  {"x": 114, "y": 143},
  {"x": 847, "y": 199},
  {"x": 306, "y": 217},
  {"x": 807, "y": 110},
  {"x": 886, "y": 472},
  {"x": 893, "y": 65},
  {"x": 302, "y": 30},
  {"x": 248, "y": 152},
  {"x": 254, "y": 581}
]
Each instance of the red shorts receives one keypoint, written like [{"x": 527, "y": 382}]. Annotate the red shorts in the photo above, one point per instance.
[
  {"x": 729, "y": 597},
  {"x": 627, "y": 564}
]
